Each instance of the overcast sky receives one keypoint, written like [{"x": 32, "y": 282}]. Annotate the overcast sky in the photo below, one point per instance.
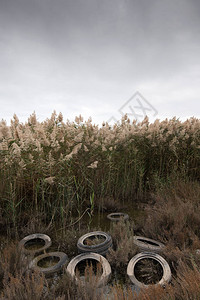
[{"x": 90, "y": 56}]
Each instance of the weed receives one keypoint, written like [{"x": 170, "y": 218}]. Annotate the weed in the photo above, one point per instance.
[{"x": 123, "y": 246}]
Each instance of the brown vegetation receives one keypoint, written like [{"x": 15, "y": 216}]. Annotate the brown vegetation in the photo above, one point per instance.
[
  {"x": 53, "y": 173},
  {"x": 123, "y": 246}
]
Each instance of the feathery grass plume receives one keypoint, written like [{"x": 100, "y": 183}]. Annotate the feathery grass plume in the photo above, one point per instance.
[
  {"x": 93, "y": 165},
  {"x": 85, "y": 148},
  {"x": 16, "y": 150},
  {"x": 5, "y": 132},
  {"x": 79, "y": 119},
  {"x": 60, "y": 117},
  {"x": 32, "y": 120},
  {"x": 78, "y": 138},
  {"x": 4, "y": 146},
  {"x": 50, "y": 180}
]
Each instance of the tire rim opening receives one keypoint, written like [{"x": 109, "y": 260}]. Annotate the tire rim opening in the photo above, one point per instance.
[
  {"x": 94, "y": 240},
  {"x": 118, "y": 216},
  {"x": 148, "y": 242},
  {"x": 34, "y": 244},
  {"x": 88, "y": 269},
  {"x": 48, "y": 262},
  {"x": 148, "y": 271}
]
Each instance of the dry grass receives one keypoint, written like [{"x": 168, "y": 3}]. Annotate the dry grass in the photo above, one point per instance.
[
  {"x": 66, "y": 240},
  {"x": 185, "y": 287},
  {"x": 30, "y": 286},
  {"x": 16, "y": 282},
  {"x": 148, "y": 271},
  {"x": 94, "y": 241},
  {"x": 175, "y": 216},
  {"x": 12, "y": 261},
  {"x": 123, "y": 246},
  {"x": 83, "y": 289},
  {"x": 185, "y": 264}
]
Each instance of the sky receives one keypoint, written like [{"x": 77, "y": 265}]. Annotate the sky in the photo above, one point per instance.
[{"x": 100, "y": 59}]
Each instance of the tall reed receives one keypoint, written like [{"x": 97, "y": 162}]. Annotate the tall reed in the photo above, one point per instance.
[{"x": 56, "y": 166}]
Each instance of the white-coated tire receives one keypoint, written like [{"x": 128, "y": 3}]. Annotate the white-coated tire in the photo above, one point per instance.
[
  {"x": 166, "y": 278},
  {"x": 149, "y": 245},
  {"x": 44, "y": 237},
  {"x": 63, "y": 259},
  {"x": 85, "y": 256}
]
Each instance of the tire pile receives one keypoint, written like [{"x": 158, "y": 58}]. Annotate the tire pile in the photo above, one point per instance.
[
  {"x": 101, "y": 248},
  {"x": 34, "y": 264},
  {"x": 94, "y": 246}
]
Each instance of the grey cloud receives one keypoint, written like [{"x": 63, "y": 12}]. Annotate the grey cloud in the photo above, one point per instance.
[{"x": 94, "y": 50}]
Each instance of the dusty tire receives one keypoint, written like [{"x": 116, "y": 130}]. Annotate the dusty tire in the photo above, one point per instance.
[
  {"x": 99, "y": 258},
  {"x": 148, "y": 245},
  {"x": 165, "y": 267},
  {"x": 41, "y": 236},
  {"x": 118, "y": 216},
  {"x": 101, "y": 248},
  {"x": 63, "y": 259}
]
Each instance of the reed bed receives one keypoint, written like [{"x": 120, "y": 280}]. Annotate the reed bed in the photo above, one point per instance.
[{"x": 56, "y": 167}]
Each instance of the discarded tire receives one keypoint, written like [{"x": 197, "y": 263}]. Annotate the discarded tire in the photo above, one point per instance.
[
  {"x": 101, "y": 248},
  {"x": 118, "y": 216},
  {"x": 60, "y": 256},
  {"x": 93, "y": 256},
  {"x": 146, "y": 244},
  {"x": 166, "y": 271},
  {"x": 45, "y": 239}
]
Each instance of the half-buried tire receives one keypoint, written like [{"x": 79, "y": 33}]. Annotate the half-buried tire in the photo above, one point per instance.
[
  {"x": 149, "y": 245},
  {"x": 59, "y": 258},
  {"x": 43, "y": 239}
]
